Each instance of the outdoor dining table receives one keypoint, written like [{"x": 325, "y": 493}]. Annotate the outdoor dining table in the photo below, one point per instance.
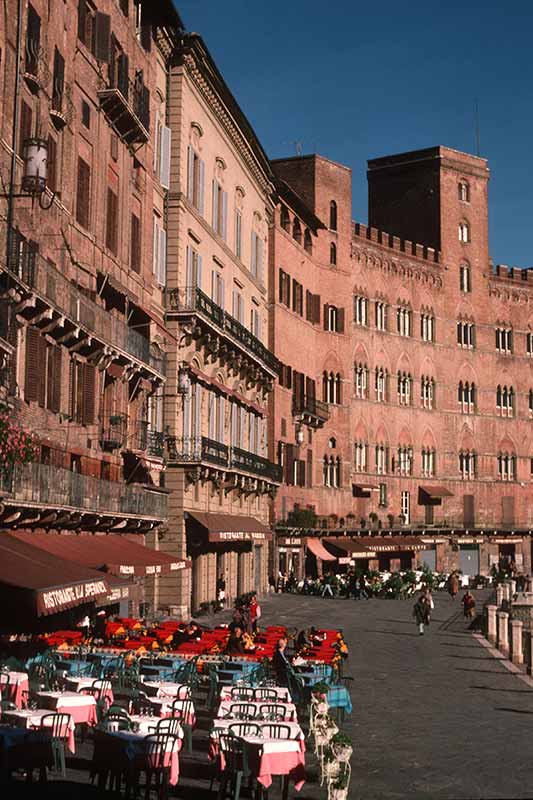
[
  {"x": 21, "y": 748},
  {"x": 339, "y": 697},
  {"x": 268, "y": 757},
  {"x": 283, "y": 694},
  {"x": 163, "y": 688},
  {"x": 17, "y": 687},
  {"x": 74, "y": 666},
  {"x": 81, "y": 707},
  {"x": 225, "y": 706},
  {"x": 32, "y": 719},
  {"x": 126, "y": 752},
  {"x": 164, "y": 707},
  {"x": 80, "y": 684}
]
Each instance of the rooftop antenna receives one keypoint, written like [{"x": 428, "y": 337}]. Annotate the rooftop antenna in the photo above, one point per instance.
[
  {"x": 476, "y": 119},
  {"x": 298, "y": 146}
]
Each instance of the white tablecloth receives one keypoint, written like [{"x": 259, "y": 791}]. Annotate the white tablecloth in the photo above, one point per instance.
[{"x": 164, "y": 688}]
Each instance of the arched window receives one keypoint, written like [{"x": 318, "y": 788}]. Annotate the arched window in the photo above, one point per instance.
[
  {"x": 308, "y": 243},
  {"x": 464, "y": 232},
  {"x": 333, "y": 216},
  {"x": 506, "y": 466},
  {"x": 467, "y": 464},
  {"x": 465, "y": 278},
  {"x": 464, "y": 192},
  {"x": 361, "y": 380},
  {"x": 333, "y": 253},
  {"x": 284, "y": 219},
  {"x": 404, "y": 388},
  {"x": 297, "y": 231},
  {"x": 428, "y": 462}
]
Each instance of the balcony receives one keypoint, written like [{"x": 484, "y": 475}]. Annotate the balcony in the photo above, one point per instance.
[
  {"x": 309, "y": 410},
  {"x": 191, "y": 300},
  {"x": 45, "y": 496},
  {"x": 113, "y": 431},
  {"x": 147, "y": 440},
  {"x": 197, "y": 449},
  {"x": 48, "y": 300},
  {"x": 256, "y": 465},
  {"x": 126, "y": 105},
  {"x": 62, "y": 106},
  {"x": 200, "y": 449}
]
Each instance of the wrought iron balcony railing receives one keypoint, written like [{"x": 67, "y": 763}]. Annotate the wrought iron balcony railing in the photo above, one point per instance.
[
  {"x": 40, "y": 276},
  {"x": 196, "y": 449},
  {"x": 309, "y": 405},
  {"x": 256, "y": 465},
  {"x": 192, "y": 299},
  {"x": 147, "y": 439},
  {"x": 113, "y": 431},
  {"x": 126, "y": 104},
  {"x": 53, "y": 487}
]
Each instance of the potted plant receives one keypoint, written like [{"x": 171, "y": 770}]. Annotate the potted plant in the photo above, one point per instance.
[
  {"x": 373, "y": 517},
  {"x": 320, "y": 690},
  {"x": 339, "y": 787},
  {"x": 341, "y": 745},
  {"x": 330, "y": 764},
  {"x": 362, "y": 522},
  {"x": 390, "y": 520}
]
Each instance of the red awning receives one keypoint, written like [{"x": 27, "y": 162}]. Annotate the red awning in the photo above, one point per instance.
[
  {"x": 353, "y": 548},
  {"x": 432, "y": 495},
  {"x": 231, "y": 528},
  {"x": 318, "y": 550},
  {"x": 45, "y": 582},
  {"x": 364, "y": 489},
  {"x": 112, "y": 553}
]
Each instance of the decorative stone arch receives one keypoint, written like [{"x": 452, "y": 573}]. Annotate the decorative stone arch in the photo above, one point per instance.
[
  {"x": 361, "y": 354},
  {"x": 196, "y": 133},
  {"x": 285, "y": 218},
  {"x": 404, "y": 364},
  {"x": 405, "y": 438},
  {"x": 382, "y": 434},
  {"x": 361, "y": 431},
  {"x": 382, "y": 359},
  {"x": 507, "y": 445},
  {"x": 429, "y": 441}
]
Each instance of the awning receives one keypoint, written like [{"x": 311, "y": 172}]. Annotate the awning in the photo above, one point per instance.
[
  {"x": 364, "y": 489},
  {"x": 111, "y": 553},
  {"x": 432, "y": 495},
  {"x": 231, "y": 528},
  {"x": 45, "y": 583},
  {"x": 318, "y": 550},
  {"x": 353, "y": 548}
]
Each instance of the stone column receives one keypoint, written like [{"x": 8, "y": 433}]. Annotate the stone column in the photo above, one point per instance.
[
  {"x": 503, "y": 631},
  {"x": 529, "y": 584},
  {"x": 499, "y": 595},
  {"x": 492, "y": 628},
  {"x": 506, "y": 591},
  {"x": 516, "y": 641},
  {"x": 512, "y": 589}
]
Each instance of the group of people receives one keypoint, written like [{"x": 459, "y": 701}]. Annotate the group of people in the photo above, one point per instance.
[
  {"x": 243, "y": 624},
  {"x": 424, "y": 604}
]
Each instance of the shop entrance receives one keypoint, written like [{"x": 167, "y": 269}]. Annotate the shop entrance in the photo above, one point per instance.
[
  {"x": 469, "y": 559},
  {"x": 428, "y": 558}
]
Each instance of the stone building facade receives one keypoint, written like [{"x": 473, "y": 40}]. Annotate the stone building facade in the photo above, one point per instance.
[
  {"x": 82, "y": 301},
  {"x": 220, "y": 370},
  {"x": 428, "y": 431}
]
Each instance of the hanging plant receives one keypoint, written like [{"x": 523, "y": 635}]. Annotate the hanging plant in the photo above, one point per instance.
[{"x": 16, "y": 446}]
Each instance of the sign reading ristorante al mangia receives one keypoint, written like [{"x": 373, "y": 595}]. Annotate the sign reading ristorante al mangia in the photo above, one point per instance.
[
  {"x": 237, "y": 536},
  {"x": 56, "y": 599}
]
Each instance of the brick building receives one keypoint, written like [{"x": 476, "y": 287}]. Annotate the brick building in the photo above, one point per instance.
[
  {"x": 422, "y": 353},
  {"x": 220, "y": 372},
  {"x": 81, "y": 283}
]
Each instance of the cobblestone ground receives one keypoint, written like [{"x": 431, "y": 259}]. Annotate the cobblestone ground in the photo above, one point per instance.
[{"x": 433, "y": 716}]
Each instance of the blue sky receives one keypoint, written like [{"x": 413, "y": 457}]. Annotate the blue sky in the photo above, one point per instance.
[{"x": 355, "y": 81}]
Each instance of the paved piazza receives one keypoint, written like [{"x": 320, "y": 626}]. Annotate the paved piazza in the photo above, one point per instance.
[{"x": 433, "y": 716}]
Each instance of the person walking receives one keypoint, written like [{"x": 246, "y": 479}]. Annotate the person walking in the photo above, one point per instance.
[
  {"x": 255, "y": 612},
  {"x": 363, "y": 587},
  {"x": 453, "y": 585},
  {"x": 327, "y": 588},
  {"x": 351, "y": 587},
  {"x": 422, "y": 613},
  {"x": 221, "y": 590},
  {"x": 469, "y": 605}
]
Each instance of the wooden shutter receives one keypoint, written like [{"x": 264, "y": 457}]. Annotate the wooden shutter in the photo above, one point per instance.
[
  {"x": 34, "y": 381},
  {"x": 102, "y": 27},
  {"x": 326, "y": 316},
  {"x": 123, "y": 75},
  {"x": 289, "y": 464},
  {"x": 51, "y": 171},
  {"x": 318, "y": 304},
  {"x": 145, "y": 106},
  {"x": 82, "y": 19},
  {"x": 146, "y": 37},
  {"x": 25, "y": 129},
  {"x": 300, "y": 474},
  {"x": 201, "y": 187},
  {"x": 88, "y": 377},
  {"x": 111, "y": 236},
  {"x": 294, "y": 295},
  {"x": 82, "y": 196},
  {"x": 309, "y": 468},
  {"x": 135, "y": 255},
  {"x": 164, "y": 157},
  {"x": 53, "y": 399},
  {"x": 340, "y": 320},
  {"x": 281, "y": 285},
  {"x": 33, "y": 40},
  {"x": 162, "y": 257},
  {"x": 224, "y": 221},
  {"x": 58, "y": 80}
]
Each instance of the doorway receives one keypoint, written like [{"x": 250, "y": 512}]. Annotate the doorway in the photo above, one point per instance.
[{"x": 469, "y": 559}]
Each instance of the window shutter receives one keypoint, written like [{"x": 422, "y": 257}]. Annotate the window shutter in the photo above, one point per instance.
[
  {"x": 88, "y": 377},
  {"x": 224, "y": 221},
  {"x": 214, "y": 205},
  {"x": 199, "y": 271},
  {"x": 82, "y": 18},
  {"x": 201, "y": 187},
  {"x": 162, "y": 257},
  {"x": 211, "y": 424},
  {"x": 340, "y": 320},
  {"x": 54, "y": 378},
  {"x": 123, "y": 75},
  {"x": 164, "y": 158},
  {"x": 189, "y": 278},
  {"x": 281, "y": 285},
  {"x": 146, "y": 37},
  {"x": 125, "y": 7},
  {"x": 102, "y": 29},
  {"x": 51, "y": 176},
  {"x": 58, "y": 80},
  {"x": 222, "y": 297},
  {"x": 190, "y": 173},
  {"x": 155, "y": 259},
  {"x": 198, "y": 410},
  {"x": 289, "y": 464},
  {"x": 301, "y": 472},
  {"x": 326, "y": 316},
  {"x": 318, "y": 304},
  {"x": 309, "y": 468},
  {"x": 221, "y": 418},
  {"x": 32, "y": 371},
  {"x": 135, "y": 244},
  {"x": 83, "y": 189},
  {"x": 25, "y": 129},
  {"x": 259, "y": 260}
]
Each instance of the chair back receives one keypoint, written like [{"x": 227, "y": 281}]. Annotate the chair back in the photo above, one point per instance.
[
  {"x": 184, "y": 692},
  {"x": 262, "y": 693},
  {"x": 160, "y": 747},
  {"x": 183, "y": 709},
  {"x": 117, "y": 722},
  {"x": 242, "y": 693},
  {"x": 273, "y": 711},
  {"x": 243, "y": 710},
  {"x": 234, "y": 752},
  {"x": 276, "y": 731},
  {"x": 58, "y": 724},
  {"x": 244, "y": 729},
  {"x": 169, "y": 725},
  {"x": 4, "y": 681}
]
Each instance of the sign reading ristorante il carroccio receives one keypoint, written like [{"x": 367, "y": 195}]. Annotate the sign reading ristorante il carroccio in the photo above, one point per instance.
[{"x": 68, "y": 595}]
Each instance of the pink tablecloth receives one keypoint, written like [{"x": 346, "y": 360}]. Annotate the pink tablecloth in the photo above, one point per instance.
[
  {"x": 84, "y": 684},
  {"x": 82, "y": 708},
  {"x": 225, "y": 706},
  {"x": 33, "y": 719},
  {"x": 276, "y": 757},
  {"x": 17, "y": 689}
]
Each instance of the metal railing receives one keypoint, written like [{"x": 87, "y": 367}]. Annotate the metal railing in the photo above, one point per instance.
[
  {"x": 146, "y": 439},
  {"x": 53, "y": 486},
  {"x": 191, "y": 298},
  {"x": 113, "y": 431},
  {"x": 37, "y": 274},
  {"x": 257, "y": 465},
  {"x": 191, "y": 449},
  {"x": 307, "y": 404}
]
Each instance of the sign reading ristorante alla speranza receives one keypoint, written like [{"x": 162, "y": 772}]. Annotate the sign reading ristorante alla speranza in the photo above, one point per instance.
[{"x": 54, "y": 600}]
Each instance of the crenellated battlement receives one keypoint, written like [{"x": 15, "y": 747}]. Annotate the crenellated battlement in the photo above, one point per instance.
[
  {"x": 512, "y": 274},
  {"x": 404, "y": 246}
]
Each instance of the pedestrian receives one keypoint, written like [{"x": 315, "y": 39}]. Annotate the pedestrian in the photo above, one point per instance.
[
  {"x": 422, "y": 613},
  {"x": 469, "y": 605},
  {"x": 326, "y": 588},
  {"x": 85, "y": 625},
  {"x": 281, "y": 664},
  {"x": 271, "y": 583},
  {"x": 221, "y": 590},
  {"x": 351, "y": 587},
  {"x": 362, "y": 587},
  {"x": 255, "y": 612},
  {"x": 453, "y": 585}
]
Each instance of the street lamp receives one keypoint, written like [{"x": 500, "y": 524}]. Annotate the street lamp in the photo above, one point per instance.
[{"x": 300, "y": 435}]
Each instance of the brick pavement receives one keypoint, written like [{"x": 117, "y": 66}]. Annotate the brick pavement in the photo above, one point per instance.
[{"x": 434, "y": 716}]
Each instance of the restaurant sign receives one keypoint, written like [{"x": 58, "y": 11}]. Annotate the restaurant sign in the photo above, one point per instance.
[
  {"x": 239, "y": 536},
  {"x": 290, "y": 541},
  {"x": 49, "y": 602},
  {"x": 505, "y": 539}
]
